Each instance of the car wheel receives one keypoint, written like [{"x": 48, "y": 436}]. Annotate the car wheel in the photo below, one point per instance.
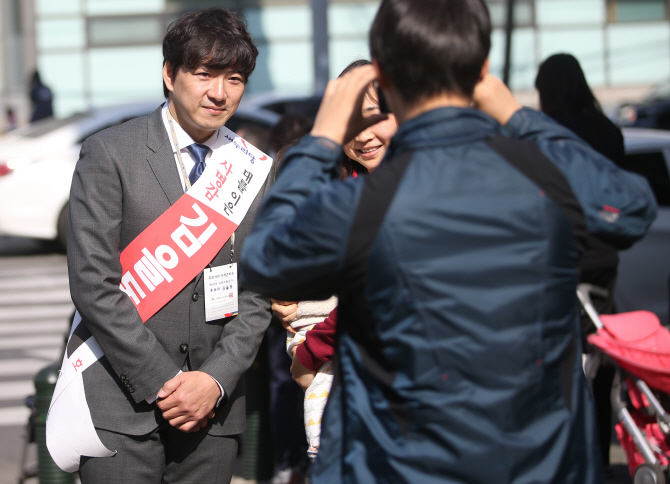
[
  {"x": 61, "y": 228},
  {"x": 649, "y": 474}
]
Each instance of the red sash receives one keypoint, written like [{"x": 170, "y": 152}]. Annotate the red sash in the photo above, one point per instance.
[{"x": 171, "y": 251}]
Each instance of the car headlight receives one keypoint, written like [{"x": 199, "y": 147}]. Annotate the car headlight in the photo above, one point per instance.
[
  {"x": 11, "y": 164},
  {"x": 628, "y": 115}
]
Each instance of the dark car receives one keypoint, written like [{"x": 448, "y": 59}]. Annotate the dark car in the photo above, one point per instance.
[
  {"x": 644, "y": 269},
  {"x": 652, "y": 112}
]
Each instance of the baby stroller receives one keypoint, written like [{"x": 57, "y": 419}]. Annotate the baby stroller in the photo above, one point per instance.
[{"x": 640, "y": 349}]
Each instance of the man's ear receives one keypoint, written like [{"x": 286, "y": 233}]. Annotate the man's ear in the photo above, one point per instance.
[
  {"x": 485, "y": 69},
  {"x": 168, "y": 76},
  {"x": 393, "y": 100},
  {"x": 381, "y": 77}
]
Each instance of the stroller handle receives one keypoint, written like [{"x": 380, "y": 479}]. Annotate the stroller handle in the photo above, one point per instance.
[{"x": 584, "y": 292}]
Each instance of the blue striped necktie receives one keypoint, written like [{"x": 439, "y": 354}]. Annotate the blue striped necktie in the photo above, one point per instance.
[{"x": 198, "y": 152}]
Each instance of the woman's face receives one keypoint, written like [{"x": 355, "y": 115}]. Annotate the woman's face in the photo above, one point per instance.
[{"x": 369, "y": 146}]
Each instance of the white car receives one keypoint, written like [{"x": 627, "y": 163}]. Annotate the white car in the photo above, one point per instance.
[
  {"x": 644, "y": 269},
  {"x": 37, "y": 162}
]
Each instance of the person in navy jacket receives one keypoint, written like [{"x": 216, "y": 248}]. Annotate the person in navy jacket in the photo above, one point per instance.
[{"x": 458, "y": 356}]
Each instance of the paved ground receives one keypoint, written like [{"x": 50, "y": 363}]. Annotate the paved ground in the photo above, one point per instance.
[{"x": 619, "y": 466}]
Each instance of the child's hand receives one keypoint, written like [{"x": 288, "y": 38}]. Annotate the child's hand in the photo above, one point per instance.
[{"x": 285, "y": 312}]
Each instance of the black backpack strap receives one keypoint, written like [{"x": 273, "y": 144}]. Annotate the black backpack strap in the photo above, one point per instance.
[
  {"x": 526, "y": 157},
  {"x": 378, "y": 192},
  {"x": 354, "y": 316}
]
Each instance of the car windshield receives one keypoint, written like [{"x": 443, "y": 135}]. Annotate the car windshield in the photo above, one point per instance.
[{"x": 42, "y": 127}]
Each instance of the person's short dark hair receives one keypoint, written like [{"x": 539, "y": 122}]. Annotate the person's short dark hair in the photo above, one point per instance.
[
  {"x": 215, "y": 38},
  {"x": 562, "y": 86},
  {"x": 256, "y": 134},
  {"x": 290, "y": 128},
  {"x": 428, "y": 47}
]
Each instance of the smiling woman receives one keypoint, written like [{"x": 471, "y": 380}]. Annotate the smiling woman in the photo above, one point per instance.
[{"x": 368, "y": 148}]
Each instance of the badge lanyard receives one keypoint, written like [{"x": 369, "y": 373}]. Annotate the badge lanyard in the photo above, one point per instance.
[{"x": 187, "y": 181}]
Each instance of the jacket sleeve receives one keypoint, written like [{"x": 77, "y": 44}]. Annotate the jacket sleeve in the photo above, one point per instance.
[
  {"x": 94, "y": 245},
  {"x": 618, "y": 205},
  {"x": 236, "y": 349},
  {"x": 298, "y": 244},
  {"x": 319, "y": 344}
]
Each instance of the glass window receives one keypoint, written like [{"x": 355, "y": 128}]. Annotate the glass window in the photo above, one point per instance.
[
  {"x": 121, "y": 74},
  {"x": 103, "y": 31},
  {"x": 636, "y": 10},
  {"x": 49, "y": 7},
  {"x": 523, "y": 13},
  {"x": 654, "y": 168},
  {"x": 280, "y": 23},
  {"x": 569, "y": 12},
  {"x": 123, "y": 7},
  {"x": 635, "y": 49},
  {"x": 60, "y": 33}
]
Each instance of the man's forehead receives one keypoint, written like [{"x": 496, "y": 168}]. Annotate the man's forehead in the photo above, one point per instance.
[{"x": 234, "y": 68}]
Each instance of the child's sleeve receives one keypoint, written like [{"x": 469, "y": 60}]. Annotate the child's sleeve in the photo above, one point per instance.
[{"x": 319, "y": 345}]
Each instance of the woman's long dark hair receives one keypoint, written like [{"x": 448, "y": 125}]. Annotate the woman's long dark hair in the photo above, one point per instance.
[{"x": 563, "y": 87}]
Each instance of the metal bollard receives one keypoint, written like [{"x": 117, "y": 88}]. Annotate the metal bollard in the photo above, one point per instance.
[
  {"x": 47, "y": 470},
  {"x": 256, "y": 440}
]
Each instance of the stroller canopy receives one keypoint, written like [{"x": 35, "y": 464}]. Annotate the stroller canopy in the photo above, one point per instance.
[{"x": 638, "y": 343}]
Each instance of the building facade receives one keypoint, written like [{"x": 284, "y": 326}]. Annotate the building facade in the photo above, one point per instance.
[{"x": 102, "y": 52}]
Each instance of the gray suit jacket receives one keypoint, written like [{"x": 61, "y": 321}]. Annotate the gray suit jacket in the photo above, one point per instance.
[{"x": 126, "y": 177}]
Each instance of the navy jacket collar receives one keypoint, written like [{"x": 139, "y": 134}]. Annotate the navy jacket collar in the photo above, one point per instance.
[{"x": 444, "y": 126}]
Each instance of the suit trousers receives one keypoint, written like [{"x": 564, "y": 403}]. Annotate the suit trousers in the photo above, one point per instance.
[{"x": 166, "y": 455}]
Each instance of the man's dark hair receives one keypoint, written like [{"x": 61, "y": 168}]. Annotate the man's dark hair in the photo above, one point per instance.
[
  {"x": 427, "y": 47},
  {"x": 215, "y": 38}
]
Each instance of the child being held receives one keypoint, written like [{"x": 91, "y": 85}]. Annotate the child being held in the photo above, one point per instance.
[{"x": 308, "y": 314}]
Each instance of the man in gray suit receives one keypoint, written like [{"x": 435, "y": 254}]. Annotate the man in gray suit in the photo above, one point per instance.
[{"x": 168, "y": 395}]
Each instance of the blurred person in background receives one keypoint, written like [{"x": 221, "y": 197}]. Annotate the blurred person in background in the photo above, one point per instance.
[
  {"x": 10, "y": 120},
  {"x": 455, "y": 264},
  {"x": 256, "y": 135},
  {"x": 567, "y": 98},
  {"x": 41, "y": 97},
  {"x": 289, "y": 129}
]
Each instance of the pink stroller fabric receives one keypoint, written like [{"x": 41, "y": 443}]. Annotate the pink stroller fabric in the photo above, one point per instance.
[
  {"x": 654, "y": 435},
  {"x": 639, "y": 344}
]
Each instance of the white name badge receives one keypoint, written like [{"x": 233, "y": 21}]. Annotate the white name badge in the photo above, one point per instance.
[{"x": 220, "y": 292}]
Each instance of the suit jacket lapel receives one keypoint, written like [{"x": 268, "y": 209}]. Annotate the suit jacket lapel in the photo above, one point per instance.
[{"x": 161, "y": 157}]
